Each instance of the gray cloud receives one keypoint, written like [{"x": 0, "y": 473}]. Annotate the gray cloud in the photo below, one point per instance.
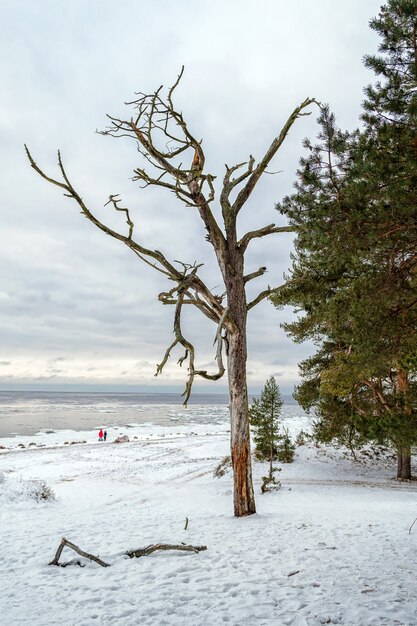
[{"x": 71, "y": 295}]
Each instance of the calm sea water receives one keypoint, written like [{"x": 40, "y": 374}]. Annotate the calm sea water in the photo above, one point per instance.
[{"x": 28, "y": 412}]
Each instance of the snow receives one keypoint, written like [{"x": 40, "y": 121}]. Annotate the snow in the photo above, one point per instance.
[{"x": 332, "y": 546}]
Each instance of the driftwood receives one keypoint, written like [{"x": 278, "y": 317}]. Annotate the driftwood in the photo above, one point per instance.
[
  {"x": 186, "y": 523},
  {"x": 87, "y": 555},
  {"x": 131, "y": 553},
  {"x": 164, "y": 546}
]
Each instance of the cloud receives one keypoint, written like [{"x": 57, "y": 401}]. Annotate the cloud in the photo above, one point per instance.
[{"x": 69, "y": 294}]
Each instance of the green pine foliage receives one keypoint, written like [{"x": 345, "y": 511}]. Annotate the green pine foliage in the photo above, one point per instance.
[
  {"x": 354, "y": 274},
  {"x": 264, "y": 416},
  {"x": 286, "y": 448},
  {"x": 270, "y": 443}
]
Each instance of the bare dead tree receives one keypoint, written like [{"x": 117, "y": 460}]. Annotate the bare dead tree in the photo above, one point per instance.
[{"x": 166, "y": 143}]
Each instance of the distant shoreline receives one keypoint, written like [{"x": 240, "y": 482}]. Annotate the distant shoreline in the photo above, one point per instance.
[
  {"x": 145, "y": 397},
  {"x": 28, "y": 412}
]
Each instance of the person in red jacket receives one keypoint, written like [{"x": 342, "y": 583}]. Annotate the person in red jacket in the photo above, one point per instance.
[{"x": 100, "y": 435}]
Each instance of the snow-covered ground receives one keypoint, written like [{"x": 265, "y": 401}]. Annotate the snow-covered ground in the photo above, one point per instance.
[{"x": 332, "y": 546}]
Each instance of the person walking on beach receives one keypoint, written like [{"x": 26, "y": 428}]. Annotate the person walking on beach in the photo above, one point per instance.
[
  {"x": 100, "y": 435},
  {"x": 105, "y": 435}
]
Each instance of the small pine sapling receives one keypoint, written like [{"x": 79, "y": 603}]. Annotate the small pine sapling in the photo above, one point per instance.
[{"x": 264, "y": 414}]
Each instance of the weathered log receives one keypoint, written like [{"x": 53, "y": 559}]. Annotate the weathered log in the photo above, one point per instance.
[
  {"x": 87, "y": 555},
  {"x": 164, "y": 546}
]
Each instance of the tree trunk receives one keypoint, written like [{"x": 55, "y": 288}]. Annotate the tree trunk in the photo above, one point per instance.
[
  {"x": 243, "y": 495},
  {"x": 402, "y": 387},
  {"x": 404, "y": 462},
  {"x": 271, "y": 443}
]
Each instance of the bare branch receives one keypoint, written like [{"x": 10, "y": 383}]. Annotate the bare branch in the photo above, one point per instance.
[
  {"x": 174, "y": 86},
  {"x": 114, "y": 200},
  {"x": 189, "y": 184},
  {"x": 270, "y": 153},
  {"x": 271, "y": 229},
  {"x": 211, "y": 306},
  {"x": 260, "y": 272},
  {"x": 182, "y": 290},
  {"x": 168, "y": 298},
  {"x": 41, "y": 173},
  {"x": 164, "y": 546},
  {"x": 229, "y": 184},
  {"x": 135, "y": 246},
  {"x": 264, "y": 294},
  {"x": 87, "y": 555},
  {"x": 378, "y": 395}
]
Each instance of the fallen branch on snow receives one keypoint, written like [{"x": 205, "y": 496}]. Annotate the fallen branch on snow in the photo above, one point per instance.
[
  {"x": 164, "y": 546},
  {"x": 87, "y": 555},
  {"x": 131, "y": 553}
]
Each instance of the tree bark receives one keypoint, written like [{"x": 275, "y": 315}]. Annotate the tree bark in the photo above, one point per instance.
[
  {"x": 243, "y": 494},
  {"x": 403, "y": 451},
  {"x": 404, "y": 462}
]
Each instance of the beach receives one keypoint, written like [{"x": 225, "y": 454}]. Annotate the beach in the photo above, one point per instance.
[
  {"x": 331, "y": 546},
  {"x": 27, "y": 413}
]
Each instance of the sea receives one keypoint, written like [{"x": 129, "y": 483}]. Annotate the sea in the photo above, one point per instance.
[{"x": 31, "y": 412}]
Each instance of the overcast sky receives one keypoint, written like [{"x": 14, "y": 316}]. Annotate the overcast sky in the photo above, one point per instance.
[{"x": 78, "y": 307}]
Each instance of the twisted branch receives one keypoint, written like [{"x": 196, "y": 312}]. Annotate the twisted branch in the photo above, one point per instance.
[
  {"x": 157, "y": 121},
  {"x": 114, "y": 199},
  {"x": 189, "y": 353},
  {"x": 190, "y": 184}
]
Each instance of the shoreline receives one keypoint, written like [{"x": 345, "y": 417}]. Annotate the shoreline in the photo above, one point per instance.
[
  {"x": 28, "y": 413},
  {"x": 139, "y": 433},
  {"x": 29, "y": 420}
]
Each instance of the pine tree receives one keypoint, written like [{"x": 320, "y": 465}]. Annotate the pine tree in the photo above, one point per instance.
[
  {"x": 264, "y": 416},
  {"x": 354, "y": 270}
]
